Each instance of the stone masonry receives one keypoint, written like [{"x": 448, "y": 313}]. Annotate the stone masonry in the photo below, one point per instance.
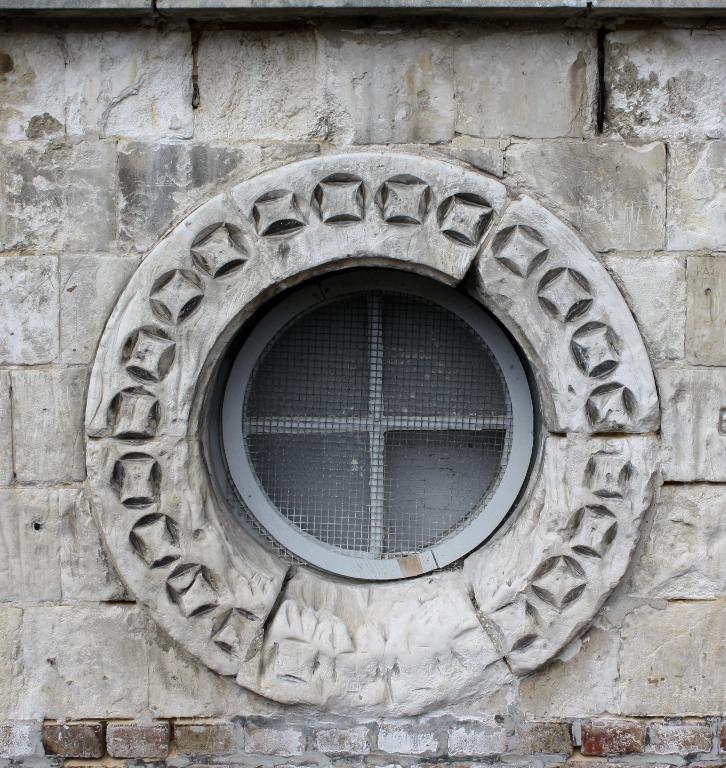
[{"x": 114, "y": 128}]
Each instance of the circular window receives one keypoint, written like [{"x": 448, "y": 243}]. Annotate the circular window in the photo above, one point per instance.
[{"x": 377, "y": 425}]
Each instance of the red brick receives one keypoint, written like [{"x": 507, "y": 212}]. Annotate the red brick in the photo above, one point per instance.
[
  {"x": 544, "y": 739},
  {"x": 204, "y": 738},
  {"x": 679, "y": 738},
  {"x": 614, "y": 737},
  {"x": 74, "y": 739},
  {"x": 135, "y": 740}
]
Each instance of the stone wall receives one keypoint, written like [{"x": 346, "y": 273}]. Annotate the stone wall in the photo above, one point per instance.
[{"x": 113, "y": 130}]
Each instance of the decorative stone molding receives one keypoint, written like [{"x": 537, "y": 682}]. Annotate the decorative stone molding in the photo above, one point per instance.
[{"x": 300, "y": 636}]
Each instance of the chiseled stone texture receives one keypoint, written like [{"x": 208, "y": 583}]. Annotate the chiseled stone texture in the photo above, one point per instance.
[
  {"x": 6, "y": 431},
  {"x": 706, "y": 327},
  {"x": 693, "y": 423},
  {"x": 407, "y": 739},
  {"x": 11, "y": 669},
  {"x": 267, "y": 740},
  {"x": 671, "y": 660},
  {"x": 534, "y": 83},
  {"x": 654, "y": 286},
  {"x": 684, "y": 556},
  {"x": 679, "y": 738},
  {"x": 667, "y": 83},
  {"x": 613, "y": 193},
  {"x": 48, "y": 406},
  {"x": 474, "y": 740},
  {"x": 29, "y": 309},
  {"x": 697, "y": 196}
]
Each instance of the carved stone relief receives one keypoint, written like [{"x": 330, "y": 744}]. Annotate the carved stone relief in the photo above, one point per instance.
[{"x": 299, "y": 636}]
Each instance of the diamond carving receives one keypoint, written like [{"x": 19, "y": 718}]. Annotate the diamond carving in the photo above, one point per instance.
[
  {"x": 593, "y": 529},
  {"x": 148, "y": 354},
  {"x": 175, "y": 295},
  {"x": 564, "y": 294},
  {"x": 134, "y": 414},
  {"x": 219, "y": 250},
  {"x": 520, "y": 249},
  {"x": 136, "y": 479},
  {"x": 559, "y": 581},
  {"x": 518, "y": 622},
  {"x": 340, "y": 199},
  {"x": 595, "y": 349},
  {"x": 610, "y": 405},
  {"x": 155, "y": 539},
  {"x": 607, "y": 475},
  {"x": 464, "y": 217},
  {"x": 278, "y": 213},
  {"x": 404, "y": 200},
  {"x": 190, "y": 586},
  {"x": 231, "y": 630}
]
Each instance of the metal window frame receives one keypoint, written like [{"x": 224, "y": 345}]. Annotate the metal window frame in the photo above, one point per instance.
[{"x": 359, "y": 565}]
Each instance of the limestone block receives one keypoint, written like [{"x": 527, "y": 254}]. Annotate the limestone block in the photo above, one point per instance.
[
  {"x": 29, "y": 534},
  {"x": 343, "y": 741},
  {"x": 687, "y": 738},
  {"x": 32, "y": 71},
  {"x": 85, "y": 662},
  {"x": 474, "y": 740},
  {"x": 58, "y": 197},
  {"x": 697, "y": 196},
  {"x": 404, "y": 739},
  {"x": 133, "y": 83},
  {"x": 89, "y": 286},
  {"x": 86, "y": 571},
  {"x": 6, "y": 432},
  {"x": 266, "y": 740},
  {"x": 484, "y": 154},
  {"x": 684, "y": 557},
  {"x": 671, "y": 660},
  {"x": 557, "y": 691},
  {"x": 19, "y": 739},
  {"x": 666, "y": 83},
  {"x": 11, "y": 668},
  {"x": 693, "y": 423},
  {"x": 538, "y": 84},
  {"x": 259, "y": 85},
  {"x": 388, "y": 86},
  {"x": 612, "y": 192},
  {"x": 655, "y": 288},
  {"x": 706, "y": 326},
  {"x": 48, "y": 424},
  {"x": 160, "y": 182},
  {"x": 29, "y": 309}
]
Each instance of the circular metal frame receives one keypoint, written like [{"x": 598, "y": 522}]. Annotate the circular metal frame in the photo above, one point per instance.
[{"x": 354, "y": 563}]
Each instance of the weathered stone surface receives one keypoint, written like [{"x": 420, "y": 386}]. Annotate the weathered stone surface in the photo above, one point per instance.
[
  {"x": 672, "y": 738},
  {"x": 28, "y": 310},
  {"x": 19, "y": 739},
  {"x": 697, "y": 196},
  {"x": 134, "y": 83},
  {"x": 58, "y": 196},
  {"x": 204, "y": 738},
  {"x": 6, "y": 430},
  {"x": 159, "y": 182},
  {"x": 74, "y": 739},
  {"x": 267, "y": 740},
  {"x": 473, "y": 740},
  {"x": 670, "y": 658},
  {"x": 685, "y": 552},
  {"x": 138, "y": 740},
  {"x": 612, "y": 192},
  {"x": 86, "y": 571},
  {"x": 693, "y": 423},
  {"x": 29, "y": 534},
  {"x": 557, "y": 690},
  {"x": 387, "y": 86},
  {"x": 655, "y": 288},
  {"x": 343, "y": 741},
  {"x": 405, "y": 739},
  {"x": 537, "y": 85},
  {"x": 33, "y": 85},
  {"x": 484, "y": 154},
  {"x": 534, "y": 738},
  {"x": 89, "y": 286},
  {"x": 706, "y": 327},
  {"x": 666, "y": 83},
  {"x": 613, "y": 737},
  {"x": 11, "y": 665},
  {"x": 48, "y": 424}
]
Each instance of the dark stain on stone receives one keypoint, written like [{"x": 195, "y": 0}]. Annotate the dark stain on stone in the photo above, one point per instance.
[
  {"x": 42, "y": 125},
  {"x": 6, "y": 63}
]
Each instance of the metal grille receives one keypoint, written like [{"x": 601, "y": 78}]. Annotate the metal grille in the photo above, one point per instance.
[{"x": 378, "y": 423}]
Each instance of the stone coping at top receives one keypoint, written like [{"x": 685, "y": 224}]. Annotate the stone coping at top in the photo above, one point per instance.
[{"x": 252, "y": 7}]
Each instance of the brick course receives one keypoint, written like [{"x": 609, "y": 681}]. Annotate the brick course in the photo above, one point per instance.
[
  {"x": 74, "y": 739},
  {"x": 616, "y": 737},
  {"x": 135, "y": 740}
]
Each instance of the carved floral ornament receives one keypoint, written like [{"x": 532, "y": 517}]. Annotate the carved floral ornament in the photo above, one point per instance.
[{"x": 296, "y": 635}]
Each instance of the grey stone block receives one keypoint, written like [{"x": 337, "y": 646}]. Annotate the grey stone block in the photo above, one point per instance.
[
  {"x": 11, "y": 666},
  {"x": 28, "y": 310},
  {"x": 6, "y": 431},
  {"x": 706, "y": 326},
  {"x": 612, "y": 192},
  {"x": 530, "y": 83},
  {"x": 48, "y": 407}
]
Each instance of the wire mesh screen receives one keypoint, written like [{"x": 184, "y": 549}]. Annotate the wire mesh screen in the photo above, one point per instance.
[{"x": 379, "y": 423}]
